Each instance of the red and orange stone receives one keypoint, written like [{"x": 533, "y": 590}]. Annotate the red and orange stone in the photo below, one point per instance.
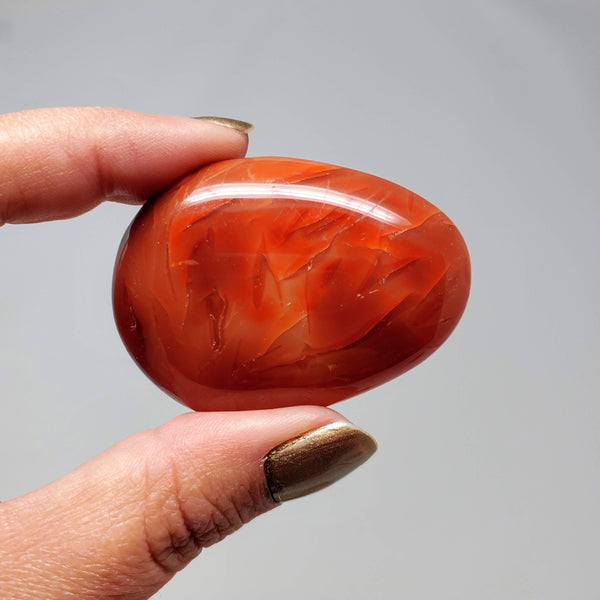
[{"x": 266, "y": 282}]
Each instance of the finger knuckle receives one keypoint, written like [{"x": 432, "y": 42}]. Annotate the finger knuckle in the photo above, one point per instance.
[{"x": 180, "y": 522}]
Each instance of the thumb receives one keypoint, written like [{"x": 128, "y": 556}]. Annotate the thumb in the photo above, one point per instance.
[{"x": 122, "y": 524}]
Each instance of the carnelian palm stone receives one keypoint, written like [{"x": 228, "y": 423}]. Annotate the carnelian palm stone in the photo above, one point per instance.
[{"x": 266, "y": 282}]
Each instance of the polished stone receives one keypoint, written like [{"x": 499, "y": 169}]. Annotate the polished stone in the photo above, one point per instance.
[{"x": 266, "y": 282}]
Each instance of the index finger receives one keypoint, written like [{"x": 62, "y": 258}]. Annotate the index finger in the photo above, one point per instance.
[{"x": 60, "y": 162}]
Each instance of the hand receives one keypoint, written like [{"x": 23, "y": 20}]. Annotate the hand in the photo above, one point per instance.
[{"x": 122, "y": 524}]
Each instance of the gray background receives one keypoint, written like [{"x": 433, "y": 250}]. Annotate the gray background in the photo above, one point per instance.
[{"x": 487, "y": 482}]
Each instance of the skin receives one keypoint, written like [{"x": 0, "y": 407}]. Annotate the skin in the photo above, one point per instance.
[{"x": 122, "y": 524}]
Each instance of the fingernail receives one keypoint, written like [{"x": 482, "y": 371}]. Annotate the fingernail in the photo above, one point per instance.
[
  {"x": 316, "y": 459},
  {"x": 231, "y": 123}
]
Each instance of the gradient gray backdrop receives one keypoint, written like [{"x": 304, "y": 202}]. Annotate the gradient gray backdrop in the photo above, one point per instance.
[{"x": 487, "y": 481}]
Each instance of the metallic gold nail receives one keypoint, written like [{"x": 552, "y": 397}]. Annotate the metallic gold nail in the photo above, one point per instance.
[
  {"x": 231, "y": 123},
  {"x": 316, "y": 459}
]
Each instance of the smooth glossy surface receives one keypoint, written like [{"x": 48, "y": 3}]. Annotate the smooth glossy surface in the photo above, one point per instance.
[{"x": 267, "y": 282}]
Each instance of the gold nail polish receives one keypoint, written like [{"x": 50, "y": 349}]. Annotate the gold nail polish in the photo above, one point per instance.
[
  {"x": 231, "y": 123},
  {"x": 316, "y": 459}
]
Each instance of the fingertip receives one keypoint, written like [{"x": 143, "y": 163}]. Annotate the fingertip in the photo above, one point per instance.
[
  {"x": 257, "y": 431},
  {"x": 172, "y": 491},
  {"x": 88, "y": 154}
]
